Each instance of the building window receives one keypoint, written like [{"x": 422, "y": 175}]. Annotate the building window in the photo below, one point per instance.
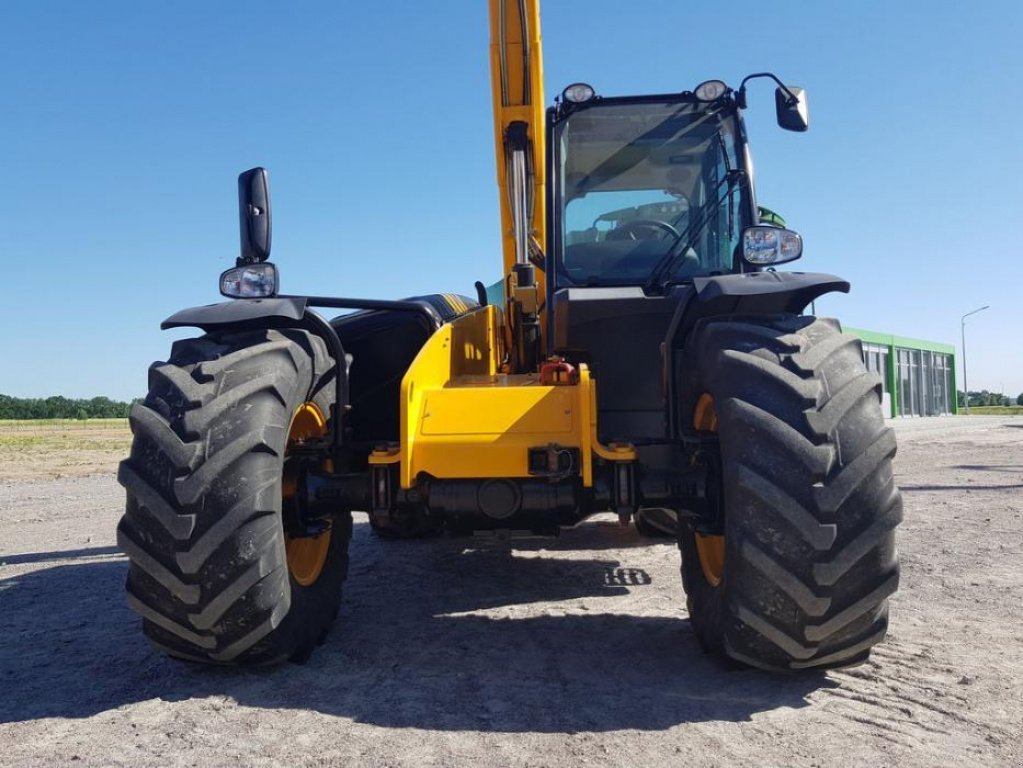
[
  {"x": 905, "y": 383},
  {"x": 940, "y": 383},
  {"x": 875, "y": 357},
  {"x": 924, "y": 383},
  {"x": 914, "y": 381}
]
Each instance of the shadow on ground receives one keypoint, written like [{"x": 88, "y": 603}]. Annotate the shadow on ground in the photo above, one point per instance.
[
  {"x": 403, "y": 656},
  {"x": 66, "y": 554},
  {"x": 1013, "y": 468},
  {"x": 969, "y": 487}
]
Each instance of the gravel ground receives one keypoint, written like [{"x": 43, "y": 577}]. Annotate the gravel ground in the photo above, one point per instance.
[{"x": 536, "y": 653}]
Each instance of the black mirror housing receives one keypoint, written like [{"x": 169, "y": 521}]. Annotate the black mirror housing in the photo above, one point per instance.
[
  {"x": 254, "y": 215},
  {"x": 791, "y": 107}
]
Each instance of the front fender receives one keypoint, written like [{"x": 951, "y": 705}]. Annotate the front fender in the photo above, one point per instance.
[
  {"x": 764, "y": 293},
  {"x": 752, "y": 293},
  {"x": 239, "y": 312},
  {"x": 281, "y": 312}
]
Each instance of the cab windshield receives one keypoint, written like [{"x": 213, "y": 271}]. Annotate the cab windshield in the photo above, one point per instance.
[{"x": 638, "y": 181}]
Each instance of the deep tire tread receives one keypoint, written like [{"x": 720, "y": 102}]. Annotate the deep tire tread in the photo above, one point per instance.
[
  {"x": 186, "y": 593},
  {"x": 819, "y": 535},
  {"x": 180, "y": 526},
  {"x": 202, "y": 527},
  {"x": 810, "y": 502},
  {"x": 191, "y": 561}
]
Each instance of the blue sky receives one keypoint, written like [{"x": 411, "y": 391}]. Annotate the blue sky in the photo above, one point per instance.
[{"x": 124, "y": 124}]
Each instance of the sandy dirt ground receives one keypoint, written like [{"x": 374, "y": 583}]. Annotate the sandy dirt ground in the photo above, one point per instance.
[
  {"x": 30, "y": 451},
  {"x": 575, "y": 651}
]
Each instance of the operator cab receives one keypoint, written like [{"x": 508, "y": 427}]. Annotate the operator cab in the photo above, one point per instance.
[
  {"x": 640, "y": 182},
  {"x": 649, "y": 192}
]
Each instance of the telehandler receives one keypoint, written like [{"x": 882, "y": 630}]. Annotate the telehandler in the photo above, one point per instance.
[{"x": 644, "y": 358}]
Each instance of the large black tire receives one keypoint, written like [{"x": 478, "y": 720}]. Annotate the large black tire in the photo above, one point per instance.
[
  {"x": 810, "y": 503},
  {"x": 203, "y": 526}
]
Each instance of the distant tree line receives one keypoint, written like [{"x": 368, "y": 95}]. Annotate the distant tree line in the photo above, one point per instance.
[
  {"x": 58, "y": 407},
  {"x": 988, "y": 398}
]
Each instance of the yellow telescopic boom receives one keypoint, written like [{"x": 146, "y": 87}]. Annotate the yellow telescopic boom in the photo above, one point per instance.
[{"x": 516, "y": 67}]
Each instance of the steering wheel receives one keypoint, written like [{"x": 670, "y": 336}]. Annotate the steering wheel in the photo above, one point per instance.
[{"x": 631, "y": 230}]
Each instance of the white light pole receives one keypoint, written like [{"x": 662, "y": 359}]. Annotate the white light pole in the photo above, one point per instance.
[{"x": 966, "y": 388}]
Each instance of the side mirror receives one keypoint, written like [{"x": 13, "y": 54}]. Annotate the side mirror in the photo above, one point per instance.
[
  {"x": 254, "y": 215},
  {"x": 793, "y": 113},
  {"x": 765, "y": 246}
]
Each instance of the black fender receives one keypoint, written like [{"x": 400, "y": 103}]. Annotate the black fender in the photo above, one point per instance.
[
  {"x": 759, "y": 293},
  {"x": 282, "y": 312},
  {"x": 751, "y": 293},
  {"x": 244, "y": 313},
  {"x": 428, "y": 312}
]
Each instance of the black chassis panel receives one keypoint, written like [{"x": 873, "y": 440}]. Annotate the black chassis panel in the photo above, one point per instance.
[{"x": 628, "y": 337}]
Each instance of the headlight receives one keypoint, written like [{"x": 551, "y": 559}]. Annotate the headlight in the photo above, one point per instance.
[
  {"x": 711, "y": 90},
  {"x": 253, "y": 281},
  {"x": 764, "y": 246},
  {"x": 577, "y": 93}
]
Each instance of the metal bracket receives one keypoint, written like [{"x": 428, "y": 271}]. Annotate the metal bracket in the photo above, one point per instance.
[
  {"x": 623, "y": 490},
  {"x": 381, "y": 491},
  {"x": 554, "y": 462}
]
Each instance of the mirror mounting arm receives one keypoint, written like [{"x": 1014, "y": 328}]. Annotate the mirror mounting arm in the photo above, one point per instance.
[{"x": 790, "y": 98}]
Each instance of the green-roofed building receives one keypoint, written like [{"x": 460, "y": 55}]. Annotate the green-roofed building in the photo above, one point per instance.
[{"x": 918, "y": 376}]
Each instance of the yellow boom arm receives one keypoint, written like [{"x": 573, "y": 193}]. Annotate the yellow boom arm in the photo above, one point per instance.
[{"x": 516, "y": 69}]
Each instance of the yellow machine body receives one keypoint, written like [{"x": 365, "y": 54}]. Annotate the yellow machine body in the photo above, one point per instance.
[{"x": 462, "y": 418}]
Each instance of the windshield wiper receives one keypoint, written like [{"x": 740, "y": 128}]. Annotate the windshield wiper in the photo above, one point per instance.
[{"x": 663, "y": 268}]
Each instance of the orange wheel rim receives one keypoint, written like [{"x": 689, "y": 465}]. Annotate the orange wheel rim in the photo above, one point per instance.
[
  {"x": 306, "y": 555},
  {"x": 710, "y": 549},
  {"x": 705, "y": 415}
]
